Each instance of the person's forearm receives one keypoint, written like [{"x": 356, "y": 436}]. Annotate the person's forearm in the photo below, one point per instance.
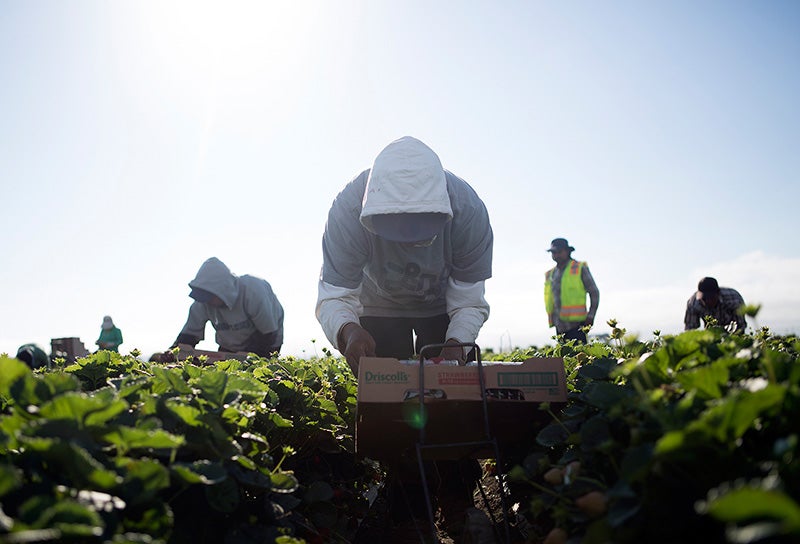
[
  {"x": 336, "y": 306},
  {"x": 594, "y": 303},
  {"x": 691, "y": 321},
  {"x": 186, "y": 339},
  {"x": 467, "y": 309}
]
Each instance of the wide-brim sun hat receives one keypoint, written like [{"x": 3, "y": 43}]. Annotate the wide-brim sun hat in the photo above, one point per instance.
[{"x": 558, "y": 244}]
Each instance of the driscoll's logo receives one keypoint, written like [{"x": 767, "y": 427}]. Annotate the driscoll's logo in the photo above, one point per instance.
[{"x": 386, "y": 377}]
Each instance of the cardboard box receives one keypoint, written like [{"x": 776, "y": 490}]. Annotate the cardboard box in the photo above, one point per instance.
[
  {"x": 390, "y": 420},
  {"x": 68, "y": 349}
]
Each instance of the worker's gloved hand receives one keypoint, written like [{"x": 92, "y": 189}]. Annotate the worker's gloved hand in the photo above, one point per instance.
[
  {"x": 454, "y": 353},
  {"x": 185, "y": 339},
  {"x": 355, "y": 342},
  {"x": 163, "y": 357}
]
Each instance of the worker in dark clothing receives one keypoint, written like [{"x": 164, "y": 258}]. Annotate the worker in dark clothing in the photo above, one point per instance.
[{"x": 712, "y": 301}]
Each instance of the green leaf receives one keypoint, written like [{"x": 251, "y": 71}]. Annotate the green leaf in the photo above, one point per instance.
[
  {"x": 730, "y": 419},
  {"x": 707, "y": 380},
  {"x": 143, "y": 479},
  {"x": 71, "y": 519},
  {"x": 200, "y": 472},
  {"x": 749, "y": 503},
  {"x": 327, "y": 405},
  {"x": 127, "y": 387},
  {"x": 11, "y": 370},
  {"x": 597, "y": 349},
  {"x": 605, "y": 395},
  {"x": 670, "y": 442},
  {"x": 600, "y": 369},
  {"x": 131, "y": 438},
  {"x": 224, "y": 496},
  {"x": 244, "y": 462},
  {"x": 648, "y": 371},
  {"x": 691, "y": 341},
  {"x": 279, "y": 421},
  {"x": 85, "y": 409},
  {"x": 157, "y": 521},
  {"x": 251, "y": 477},
  {"x": 58, "y": 383},
  {"x": 574, "y": 410},
  {"x": 75, "y": 462},
  {"x": 284, "y": 482},
  {"x": 594, "y": 433},
  {"x": 552, "y": 435},
  {"x": 190, "y": 415},
  {"x": 10, "y": 478},
  {"x": 169, "y": 380},
  {"x": 31, "y": 536},
  {"x": 229, "y": 365},
  {"x": 92, "y": 371},
  {"x": 213, "y": 386},
  {"x": 247, "y": 386}
]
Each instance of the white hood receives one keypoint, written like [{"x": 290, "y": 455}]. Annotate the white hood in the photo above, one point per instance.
[{"x": 407, "y": 177}]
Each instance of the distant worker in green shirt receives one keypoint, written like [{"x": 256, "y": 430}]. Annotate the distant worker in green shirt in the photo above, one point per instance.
[
  {"x": 110, "y": 336},
  {"x": 565, "y": 289}
]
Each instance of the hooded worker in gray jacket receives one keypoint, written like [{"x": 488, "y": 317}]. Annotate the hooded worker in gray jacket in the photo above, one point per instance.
[
  {"x": 243, "y": 310},
  {"x": 407, "y": 248}
]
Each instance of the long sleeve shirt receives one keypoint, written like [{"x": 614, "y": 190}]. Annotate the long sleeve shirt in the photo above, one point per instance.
[
  {"x": 366, "y": 275},
  {"x": 726, "y": 312}
]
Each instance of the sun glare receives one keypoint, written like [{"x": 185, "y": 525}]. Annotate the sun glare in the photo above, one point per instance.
[{"x": 214, "y": 44}]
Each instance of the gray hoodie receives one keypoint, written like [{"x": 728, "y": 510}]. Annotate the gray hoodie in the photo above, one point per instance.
[
  {"x": 250, "y": 306},
  {"x": 364, "y": 274}
]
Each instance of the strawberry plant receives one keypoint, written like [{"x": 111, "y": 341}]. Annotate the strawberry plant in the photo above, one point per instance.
[
  {"x": 690, "y": 438},
  {"x": 684, "y": 438},
  {"x": 114, "y": 449}
]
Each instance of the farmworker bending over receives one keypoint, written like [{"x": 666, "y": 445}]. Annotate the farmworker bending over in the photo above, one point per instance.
[
  {"x": 244, "y": 311},
  {"x": 110, "y": 336},
  {"x": 32, "y": 355},
  {"x": 712, "y": 301},
  {"x": 407, "y": 248},
  {"x": 565, "y": 288}
]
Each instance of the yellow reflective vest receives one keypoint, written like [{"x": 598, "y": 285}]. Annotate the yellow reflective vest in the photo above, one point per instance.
[{"x": 573, "y": 294}]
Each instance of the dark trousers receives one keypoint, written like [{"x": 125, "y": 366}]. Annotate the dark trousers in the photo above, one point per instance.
[
  {"x": 450, "y": 482},
  {"x": 262, "y": 344},
  {"x": 394, "y": 336}
]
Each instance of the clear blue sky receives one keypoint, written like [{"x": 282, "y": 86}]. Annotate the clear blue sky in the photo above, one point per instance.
[{"x": 140, "y": 138}]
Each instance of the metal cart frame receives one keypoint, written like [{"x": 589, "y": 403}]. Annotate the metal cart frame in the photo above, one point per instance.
[{"x": 489, "y": 441}]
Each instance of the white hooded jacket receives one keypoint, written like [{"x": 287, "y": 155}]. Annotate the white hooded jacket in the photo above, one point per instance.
[{"x": 365, "y": 274}]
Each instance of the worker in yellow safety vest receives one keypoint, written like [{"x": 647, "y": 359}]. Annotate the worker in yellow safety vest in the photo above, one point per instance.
[{"x": 565, "y": 288}]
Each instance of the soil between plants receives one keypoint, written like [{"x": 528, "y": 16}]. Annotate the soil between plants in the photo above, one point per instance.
[{"x": 377, "y": 528}]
